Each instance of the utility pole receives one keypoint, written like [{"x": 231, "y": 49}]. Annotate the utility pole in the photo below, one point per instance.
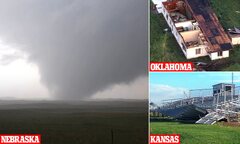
[
  {"x": 111, "y": 136},
  {"x": 232, "y": 93}
]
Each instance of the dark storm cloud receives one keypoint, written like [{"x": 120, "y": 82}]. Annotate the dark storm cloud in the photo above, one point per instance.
[{"x": 80, "y": 46}]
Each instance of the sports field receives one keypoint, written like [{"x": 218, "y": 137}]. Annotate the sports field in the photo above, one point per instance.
[{"x": 197, "y": 133}]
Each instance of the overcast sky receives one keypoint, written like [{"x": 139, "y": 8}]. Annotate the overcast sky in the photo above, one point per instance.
[{"x": 73, "y": 49}]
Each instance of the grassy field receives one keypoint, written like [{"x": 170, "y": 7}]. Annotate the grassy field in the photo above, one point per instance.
[
  {"x": 163, "y": 46},
  {"x": 89, "y": 123},
  {"x": 228, "y": 12},
  {"x": 198, "y": 134}
]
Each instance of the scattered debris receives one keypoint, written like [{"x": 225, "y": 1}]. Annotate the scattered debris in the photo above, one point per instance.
[{"x": 234, "y": 31}]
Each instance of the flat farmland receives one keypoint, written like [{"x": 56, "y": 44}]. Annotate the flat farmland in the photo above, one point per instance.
[{"x": 78, "y": 123}]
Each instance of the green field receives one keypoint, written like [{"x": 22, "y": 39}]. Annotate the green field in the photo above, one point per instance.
[
  {"x": 197, "y": 133},
  {"x": 163, "y": 46},
  {"x": 78, "y": 123}
]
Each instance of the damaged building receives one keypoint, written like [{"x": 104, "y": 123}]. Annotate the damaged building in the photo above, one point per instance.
[{"x": 197, "y": 28}]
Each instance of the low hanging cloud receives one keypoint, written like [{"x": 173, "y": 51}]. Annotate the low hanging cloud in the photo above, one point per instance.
[
  {"x": 160, "y": 93},
  {"x": 9, "y": 54},
  {"x": 137, "y": 89},
  {"x": 81, "y": 47}
]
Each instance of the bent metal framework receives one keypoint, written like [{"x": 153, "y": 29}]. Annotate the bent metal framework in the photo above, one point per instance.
[
  {"x": 204, "y": 106},
  {"x": 197, "y": 28}
]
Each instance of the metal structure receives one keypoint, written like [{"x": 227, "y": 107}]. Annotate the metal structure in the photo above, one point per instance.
[{"x": 206, "y": 106}]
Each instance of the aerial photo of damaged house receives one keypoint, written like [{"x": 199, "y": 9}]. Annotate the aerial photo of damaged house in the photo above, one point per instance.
[{"x": 197, "y": 29}]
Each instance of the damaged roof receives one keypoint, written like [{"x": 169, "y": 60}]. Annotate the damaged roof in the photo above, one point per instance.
[{"x": 210, "y": 26}]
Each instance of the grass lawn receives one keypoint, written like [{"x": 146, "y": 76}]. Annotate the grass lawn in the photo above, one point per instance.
[
  {"x": 227, "y": 12},
  {"x": 197, "y": 133},
  {"x": 163, "y": 46}
]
